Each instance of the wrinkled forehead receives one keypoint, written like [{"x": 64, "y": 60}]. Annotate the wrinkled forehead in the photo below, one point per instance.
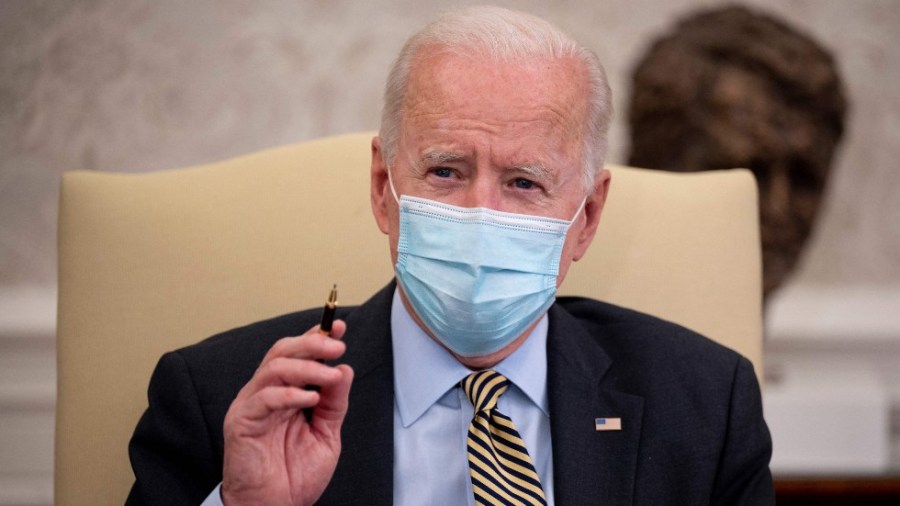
[
  {"x": 543, "y": 99},
  {"x": 446, "y": 84}
]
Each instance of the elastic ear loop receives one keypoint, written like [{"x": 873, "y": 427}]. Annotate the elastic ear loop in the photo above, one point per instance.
[
  {"x": 393, "y": 191},
  {"x": 578, "y": 211}
]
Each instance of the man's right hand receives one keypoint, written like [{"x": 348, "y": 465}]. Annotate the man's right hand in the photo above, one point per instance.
[{"x": 273, "y": 455}]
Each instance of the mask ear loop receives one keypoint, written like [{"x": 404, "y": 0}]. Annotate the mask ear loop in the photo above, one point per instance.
[
  {"x": 394, "y": 192},
  {"x": 577, "y": 212}
]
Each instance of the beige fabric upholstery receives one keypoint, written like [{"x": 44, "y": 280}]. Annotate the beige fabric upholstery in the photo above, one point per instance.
[{"x": 151, "y": 262}]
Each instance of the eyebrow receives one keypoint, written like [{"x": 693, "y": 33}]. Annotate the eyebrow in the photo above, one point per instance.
[
  {"x": 537, "y": 171},
  {"x": 438, "y": 157}
]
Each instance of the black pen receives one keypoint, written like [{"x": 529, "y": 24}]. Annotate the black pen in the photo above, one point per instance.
[
  {"x": 328, "y": 312},
  {"x": 325, "y": 329}
]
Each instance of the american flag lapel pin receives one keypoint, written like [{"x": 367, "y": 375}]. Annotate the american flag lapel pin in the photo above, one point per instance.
[{"x": 603, "y": 424}]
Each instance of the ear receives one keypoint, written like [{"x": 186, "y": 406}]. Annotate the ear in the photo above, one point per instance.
[
  {"x": 380, "y": 191},
  {"x": 593, "y": 208}
]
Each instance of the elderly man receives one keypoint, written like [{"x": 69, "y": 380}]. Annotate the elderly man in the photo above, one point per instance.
[{"x": 466, "y": 381}]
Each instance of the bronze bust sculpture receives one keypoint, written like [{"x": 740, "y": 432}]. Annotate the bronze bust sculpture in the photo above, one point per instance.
[{"x": 731, "y": 87}]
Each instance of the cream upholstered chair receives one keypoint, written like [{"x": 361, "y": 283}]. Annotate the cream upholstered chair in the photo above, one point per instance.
[{"x": 151, "y": 262}]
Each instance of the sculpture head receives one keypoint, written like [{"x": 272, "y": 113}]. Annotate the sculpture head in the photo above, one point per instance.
[{"x": 732, "y": 88}]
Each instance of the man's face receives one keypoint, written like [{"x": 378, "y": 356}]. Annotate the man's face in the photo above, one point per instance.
[{"x": 505, "y": 136}]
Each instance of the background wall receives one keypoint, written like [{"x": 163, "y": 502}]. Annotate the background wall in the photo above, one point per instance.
[{"x": 144, "y": 85}]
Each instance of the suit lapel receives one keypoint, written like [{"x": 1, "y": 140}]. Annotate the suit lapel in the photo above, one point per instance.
[
  {"x": 589, "y": 466},
  {"x": 365, "y": 468}
]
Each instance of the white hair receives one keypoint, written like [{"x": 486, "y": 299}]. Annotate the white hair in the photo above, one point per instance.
[{"x": 508, "y": 36}]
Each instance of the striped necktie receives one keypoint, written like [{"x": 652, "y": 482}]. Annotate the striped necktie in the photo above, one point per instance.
[{"x": 501, "y": 470}]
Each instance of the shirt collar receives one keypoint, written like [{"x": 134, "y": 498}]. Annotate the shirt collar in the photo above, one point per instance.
[{"x": 424, "y": 371}]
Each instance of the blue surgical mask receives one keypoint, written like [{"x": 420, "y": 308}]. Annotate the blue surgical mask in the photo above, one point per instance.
[{"x": 476, "y": 277}]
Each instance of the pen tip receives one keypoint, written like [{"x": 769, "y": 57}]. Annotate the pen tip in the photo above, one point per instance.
[{"x": 332, "y": 297}]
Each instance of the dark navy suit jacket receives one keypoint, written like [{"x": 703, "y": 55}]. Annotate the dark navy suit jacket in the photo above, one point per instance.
[{"x": 692, "y": 427}]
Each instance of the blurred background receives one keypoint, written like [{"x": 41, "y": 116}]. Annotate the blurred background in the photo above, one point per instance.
[{"x": 148, "y": 85}]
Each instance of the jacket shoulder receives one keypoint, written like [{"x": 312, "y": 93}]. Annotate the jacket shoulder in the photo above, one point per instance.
[{"x": 640, "y": 339}]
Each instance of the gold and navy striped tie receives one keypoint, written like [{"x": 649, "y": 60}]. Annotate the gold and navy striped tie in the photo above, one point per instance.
[{"x": 502, "y": 472}]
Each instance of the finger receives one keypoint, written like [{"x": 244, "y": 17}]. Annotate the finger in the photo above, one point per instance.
[
  {"x": 293, "y": 372},
  {"x": 338, "y": 327},
  {"x": 287, "y": 398},
  {"x": 276, "y": 399},
  {"x": 333, "y": 402},
  {"x": 311, "y": 344}
]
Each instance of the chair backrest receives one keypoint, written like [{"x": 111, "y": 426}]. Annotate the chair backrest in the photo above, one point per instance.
[{"x": 151, "y": 262}]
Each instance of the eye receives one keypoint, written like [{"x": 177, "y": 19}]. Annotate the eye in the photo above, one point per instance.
[
  {"x": 443, "y": 172},
  {"x": 523, "y": 184}
]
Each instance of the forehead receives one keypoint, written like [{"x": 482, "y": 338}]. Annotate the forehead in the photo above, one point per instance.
[{"x": 524, "y": 99}]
